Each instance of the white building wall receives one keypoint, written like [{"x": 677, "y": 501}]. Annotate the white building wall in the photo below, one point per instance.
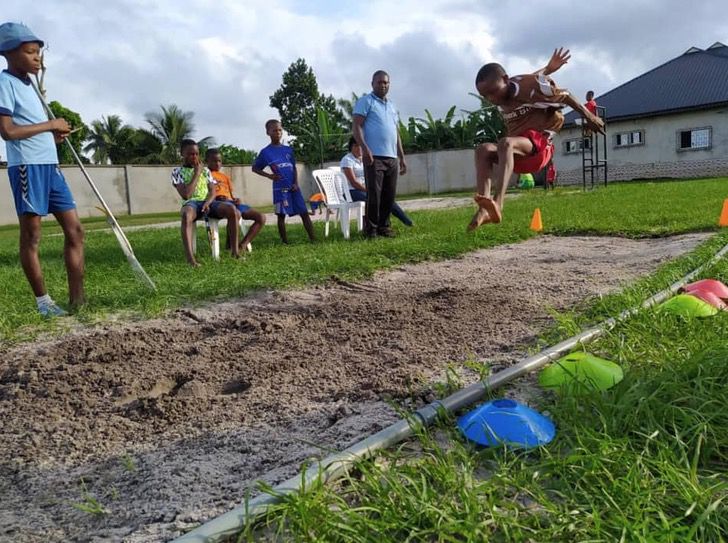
[{"x": 659, "y": 155}]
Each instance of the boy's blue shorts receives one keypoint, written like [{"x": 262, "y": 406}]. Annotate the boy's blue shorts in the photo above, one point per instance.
[
  {"x": 214, "y": 212},
  {"x": 40, "y": 189},
  {"x": 240, "y": 207},
  {"x": 291, "y": 203}
]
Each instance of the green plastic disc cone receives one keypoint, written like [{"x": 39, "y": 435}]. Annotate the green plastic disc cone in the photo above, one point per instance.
[
  {"x": 581, "y": 371},
  {"x": 689, "y": 306}
]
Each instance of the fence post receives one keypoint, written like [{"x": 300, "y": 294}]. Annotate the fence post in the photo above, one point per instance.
[
  {"x": 127, "y": 188},
  {"x": 431, "y": 163}
]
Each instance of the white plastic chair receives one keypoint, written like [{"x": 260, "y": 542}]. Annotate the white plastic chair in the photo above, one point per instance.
[
  {"x": 333, "y": 185},
  {"x": 215, "y": 235}
]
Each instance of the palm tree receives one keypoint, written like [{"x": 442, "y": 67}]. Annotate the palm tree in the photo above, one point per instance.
[
  {"x": 171, "y": 126},
  {"x": 111, "y": 140}
]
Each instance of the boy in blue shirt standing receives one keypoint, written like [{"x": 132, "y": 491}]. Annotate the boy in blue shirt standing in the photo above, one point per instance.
[
  {"x": 36, "y": 180},
  {"x": 287, "y": 197}
]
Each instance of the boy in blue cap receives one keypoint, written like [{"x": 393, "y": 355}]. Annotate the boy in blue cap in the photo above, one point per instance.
[{"x": 38, "y": 185}]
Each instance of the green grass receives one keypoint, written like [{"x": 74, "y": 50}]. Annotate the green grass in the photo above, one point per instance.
[
  {"x": 645, "y": 461},
  {"x": 640, "y": 209}
]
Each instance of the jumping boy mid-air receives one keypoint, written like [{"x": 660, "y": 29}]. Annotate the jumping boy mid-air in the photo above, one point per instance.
[
  {"x": 36, "y": 180},
  {"x": 531, "y": 106}
]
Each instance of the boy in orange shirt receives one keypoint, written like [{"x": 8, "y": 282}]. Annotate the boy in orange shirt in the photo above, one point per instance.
[
  {"x": 224, "y": 193},
  {"x": 531, "y": 106}
]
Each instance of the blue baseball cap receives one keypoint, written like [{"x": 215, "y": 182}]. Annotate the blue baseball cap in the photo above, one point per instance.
[{"x": 13, "y": 35}]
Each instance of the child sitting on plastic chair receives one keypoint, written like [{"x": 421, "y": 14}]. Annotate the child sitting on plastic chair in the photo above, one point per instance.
[
  {"x": 196, "y": 186},
  {"x": 224, "y": 193},
  {"x": 317, "y": 202}
]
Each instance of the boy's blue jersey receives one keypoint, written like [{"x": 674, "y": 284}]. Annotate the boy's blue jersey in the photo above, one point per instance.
[
  {"x": 281, "y": 160},
  {"x": 19, "y": 101}
]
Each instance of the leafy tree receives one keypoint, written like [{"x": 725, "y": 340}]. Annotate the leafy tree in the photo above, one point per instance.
[
  {"x": 297, "y": 96},
  {"x": 474, "y": 127},
  {"x": 111, "y": 141},
  {"x": 488, "y": 123},
  {"x": 146, "y": 148},
  {"x": 76, "y": 138},
  {"x": 307, "y": 115},
  {"x": 170, "y": 127},
  {"x": 323, "y": 140},
  {"x": 234, "y": 155}
]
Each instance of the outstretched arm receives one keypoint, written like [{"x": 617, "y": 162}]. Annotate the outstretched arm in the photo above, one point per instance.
[
  {"x": 592, "y": 121},
  {"x": 559, "y": 57}
]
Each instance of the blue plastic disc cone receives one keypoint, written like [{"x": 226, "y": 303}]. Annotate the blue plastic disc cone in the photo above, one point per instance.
[{"x": 505, "y": 421}]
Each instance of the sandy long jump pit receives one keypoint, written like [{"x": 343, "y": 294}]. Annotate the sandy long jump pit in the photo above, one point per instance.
[{"x": 137, "y": 432}]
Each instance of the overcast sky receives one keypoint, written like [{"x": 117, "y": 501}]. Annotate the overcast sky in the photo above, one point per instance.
[{"x": 223, "y": 59}]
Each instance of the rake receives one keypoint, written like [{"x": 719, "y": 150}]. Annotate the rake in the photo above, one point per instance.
[{"x": 115, "y": 227}]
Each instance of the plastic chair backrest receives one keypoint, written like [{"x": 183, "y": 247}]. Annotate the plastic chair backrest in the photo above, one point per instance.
[
  {"x": 342, "y": 184},
  {"x": 330, "y": 185}
]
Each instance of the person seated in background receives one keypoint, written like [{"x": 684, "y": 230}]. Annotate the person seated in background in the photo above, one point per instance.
[
  {"x": 196, "y": 187},
  {"x": 224, "y": 193},
  {"x": 317, "y": 202},
  {"x": 353, "y": 169}
]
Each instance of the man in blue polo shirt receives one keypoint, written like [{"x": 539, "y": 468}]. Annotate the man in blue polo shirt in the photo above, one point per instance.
[
  {"x": 38, "y": 185},
  {"x": 376, "y": 130}
]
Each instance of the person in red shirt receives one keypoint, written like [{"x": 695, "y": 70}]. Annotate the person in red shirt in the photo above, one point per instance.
[
  {"x": 531, "y": 106},
  {"x": 551, "y": 175},
  {"x": 591, "y": 104}
]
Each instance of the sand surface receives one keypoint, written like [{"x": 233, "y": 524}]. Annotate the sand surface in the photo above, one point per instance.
[{"x": 167, "y": 422}]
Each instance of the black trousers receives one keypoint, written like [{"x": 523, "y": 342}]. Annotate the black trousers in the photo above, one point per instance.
[{"x": 381, "y": 179}]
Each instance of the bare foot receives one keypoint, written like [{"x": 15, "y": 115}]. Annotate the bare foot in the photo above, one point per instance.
[
  {"x": 491, "y": 207},
  {"x": 194, "y": 263},
  {"x": 481, "y": 217}
]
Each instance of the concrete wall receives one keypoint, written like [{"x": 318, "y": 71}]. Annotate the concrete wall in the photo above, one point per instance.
[
  {"x": 659, "y": 155},
  {"x": 134, "y": 190},
  {"x": 147, "y": 189}
]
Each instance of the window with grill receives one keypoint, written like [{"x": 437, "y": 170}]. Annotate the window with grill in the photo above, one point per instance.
[
  {"x": 694, "y": 139},
  {"x": 627, "y": 139}
]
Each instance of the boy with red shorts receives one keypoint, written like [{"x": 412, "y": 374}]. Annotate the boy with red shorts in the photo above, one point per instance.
[{"x": 531, "y": 105}]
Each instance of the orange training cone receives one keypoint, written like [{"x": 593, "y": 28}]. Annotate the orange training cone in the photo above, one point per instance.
[
  {"x": 723, "y": 221},
  {"x": 536, "y": 224}
]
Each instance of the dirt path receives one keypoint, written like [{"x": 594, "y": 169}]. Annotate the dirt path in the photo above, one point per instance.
[{"x": 167, "y": 422}]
